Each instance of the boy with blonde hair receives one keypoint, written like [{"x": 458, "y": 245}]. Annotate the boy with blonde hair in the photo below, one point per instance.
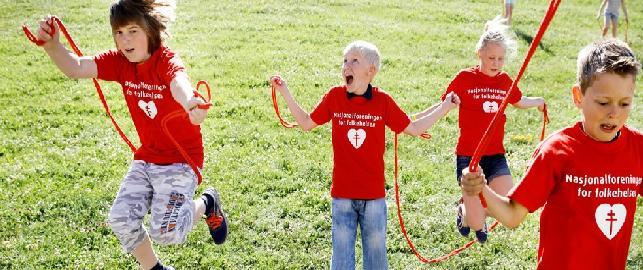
[
  {"x": 359, "y": 112},
  {"x": 586, "y": 176}
]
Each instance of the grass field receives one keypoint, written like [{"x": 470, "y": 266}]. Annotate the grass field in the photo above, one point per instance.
[{"x": 61, "y": 162}]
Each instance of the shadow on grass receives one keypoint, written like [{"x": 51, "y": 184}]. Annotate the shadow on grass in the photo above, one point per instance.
[{"x": 528, "y": 38}]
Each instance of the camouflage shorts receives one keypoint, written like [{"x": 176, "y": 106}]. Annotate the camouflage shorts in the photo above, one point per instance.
[{"x": 167, "y": 191}]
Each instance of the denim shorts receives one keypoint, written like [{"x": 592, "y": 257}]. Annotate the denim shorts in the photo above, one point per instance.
[
  {"x": 492, "y": 166},
  {"x": 611, "y": 16}
]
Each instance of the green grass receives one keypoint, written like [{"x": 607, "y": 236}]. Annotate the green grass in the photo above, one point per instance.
[{"x": 61, "y": 162}]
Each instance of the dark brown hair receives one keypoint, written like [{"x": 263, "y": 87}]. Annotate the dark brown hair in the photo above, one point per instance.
[{"x": 153, "y": 16}]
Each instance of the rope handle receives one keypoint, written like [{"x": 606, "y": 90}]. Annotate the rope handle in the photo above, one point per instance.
[
  {"x": 34, "y": 39},
  {"x": 208, "y": 103},
  {"x": 183, "y": 114},
  {"x": 283, "y": 122}
]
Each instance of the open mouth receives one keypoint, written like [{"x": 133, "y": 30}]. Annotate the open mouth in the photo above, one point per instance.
[
  {"x": 608, "y": 128},
  {"x": 348, "y": 79}
]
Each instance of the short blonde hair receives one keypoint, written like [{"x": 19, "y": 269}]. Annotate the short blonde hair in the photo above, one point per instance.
[
  {"x": 605, "y": 56},
  {"x": 368, "y": 50}
]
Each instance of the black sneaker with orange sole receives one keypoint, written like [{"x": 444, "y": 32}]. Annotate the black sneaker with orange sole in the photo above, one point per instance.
[{"x": 215, "y": 218}]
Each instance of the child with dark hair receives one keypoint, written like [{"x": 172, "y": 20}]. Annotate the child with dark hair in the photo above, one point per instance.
[{"x": 155, "y": 84}]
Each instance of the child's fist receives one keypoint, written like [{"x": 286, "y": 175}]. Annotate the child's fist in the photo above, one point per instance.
[
  {"x": 541, "y": 104},
  {"x": 451, "y": 100},
  {"x": 47, "y": 29},
  {"x": 278, "y": 83},
  {"x": 472, "y": 183},
  {"x": 196, "y": 114}
]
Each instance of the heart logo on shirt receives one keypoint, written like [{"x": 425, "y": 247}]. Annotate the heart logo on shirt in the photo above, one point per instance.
[
  {"x": 356, "y": 137},
  {"x": 490, "y": 106},
  {"x": 610, "y": 218},
  {"x": 149, "y": 108}
]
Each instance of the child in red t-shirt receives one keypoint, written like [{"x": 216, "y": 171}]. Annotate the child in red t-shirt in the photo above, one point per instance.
[
  {"x": 359, "y": 112},
  {"x": 587, "y": 176},
  {"x": 482, "y": 89},
  {"x": 154, "y": 84}
]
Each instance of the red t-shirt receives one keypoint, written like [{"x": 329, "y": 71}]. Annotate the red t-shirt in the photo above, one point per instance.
[
  {"x": 146, "y": 87},
  {"x": 589, "y": 191},
  {"x": 480, "y": 98},
  {"x": 359, "y": 139}
]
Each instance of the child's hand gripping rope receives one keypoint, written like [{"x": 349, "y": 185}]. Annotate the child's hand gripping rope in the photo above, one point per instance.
[{"x": 278, "y": 84}]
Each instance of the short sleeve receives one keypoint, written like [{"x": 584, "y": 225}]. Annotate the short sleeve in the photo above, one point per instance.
[
  {"x": 539, "y": 181},
  {"x": 108, "y": 65},
  {"x": 396, "y": 119},
  {"x": 516, "y": 94},
  {"x": 169, "y": 66},
  {"x": 321, "y": 113}
]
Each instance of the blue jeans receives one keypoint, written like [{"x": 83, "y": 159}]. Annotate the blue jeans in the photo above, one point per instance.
[{"x": 371, "y": 217}]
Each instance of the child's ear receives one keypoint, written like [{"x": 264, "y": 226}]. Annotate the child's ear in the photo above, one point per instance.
[
  {"x": 372, "y": 70},
  {"x": 577, "y": 95}
]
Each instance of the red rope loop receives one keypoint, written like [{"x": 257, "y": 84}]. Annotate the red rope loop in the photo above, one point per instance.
[
  {"x": 208, "y": 102},
  {"x": 403, "y": 228},
  {"x": 63, "y": 29},
  {"x": 183, "y": 114},
  {"x": 283, "y": 122},
  {"x": 475, "y": 159}
]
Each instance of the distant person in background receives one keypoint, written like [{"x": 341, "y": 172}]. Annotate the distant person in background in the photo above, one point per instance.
[
  {"x": 611, "y": 15},
  {"x": 508, "y": 11}
]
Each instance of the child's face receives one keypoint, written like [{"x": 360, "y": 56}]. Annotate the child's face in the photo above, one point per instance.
[
  {"x": 358, "y": 73},
  {"x": 132, "y": 42},
  {"x": 492, "y": 58},
  {"x": 605, "y": 105}
]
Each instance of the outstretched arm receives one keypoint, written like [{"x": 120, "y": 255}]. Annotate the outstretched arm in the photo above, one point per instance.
[
  {"x": 529, "y": 102},
  {"x": 430, "y": 116},
  {"x": 69, "y": 63},
  {"x": 302, "y": 117},
  {"x": 508, "y": 212}
]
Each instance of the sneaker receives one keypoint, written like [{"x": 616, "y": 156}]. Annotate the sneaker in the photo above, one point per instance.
[
  {"x": 464, "y": 231},
  {"x": 481, "y": 235},
  {"x": 215, "y": 218}
]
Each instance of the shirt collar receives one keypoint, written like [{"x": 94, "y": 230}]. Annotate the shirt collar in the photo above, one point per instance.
[{"x": 367, "y": 95}]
